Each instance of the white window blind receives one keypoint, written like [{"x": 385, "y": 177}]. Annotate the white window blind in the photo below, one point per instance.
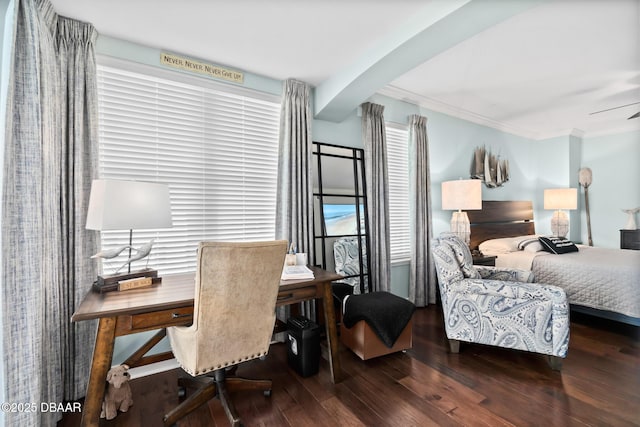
[
  {"x": 216, "y": 149},
  {"x": 398, "y": 170}
]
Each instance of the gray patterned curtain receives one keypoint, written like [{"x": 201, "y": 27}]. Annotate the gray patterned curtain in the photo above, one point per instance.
[
  {"x": 422, "y": 279},
  {"x": 294, "y": 201},
  {"x": 375, "y": 155},
  {"x": 49, "y": 162},
  {"x": 294, "y": 206}
]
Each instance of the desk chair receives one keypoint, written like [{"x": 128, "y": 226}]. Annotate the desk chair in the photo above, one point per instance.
[{"x": 233, "y": 319}]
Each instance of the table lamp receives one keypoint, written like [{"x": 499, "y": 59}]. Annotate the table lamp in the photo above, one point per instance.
[
  {"x": 127, "y": 205},
  {"x": 560, "y": 198},
  {"x": 458, "y": 195}
]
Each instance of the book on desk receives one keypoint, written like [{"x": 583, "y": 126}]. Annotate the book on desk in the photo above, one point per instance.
[{"x": 296, "y": 272}]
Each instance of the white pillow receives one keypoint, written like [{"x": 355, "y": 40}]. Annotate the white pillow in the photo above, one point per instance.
[
  {"x": 504, "y": 245},
  {"x": 498, "y": 246},
  {"x": 534, "y": 247}
]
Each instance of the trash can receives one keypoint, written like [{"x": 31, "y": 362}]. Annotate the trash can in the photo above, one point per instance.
[{"x": 303, "y": 352}]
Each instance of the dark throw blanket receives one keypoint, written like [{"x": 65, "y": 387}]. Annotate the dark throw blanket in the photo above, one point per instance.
[{"x": 386, "y": 314}]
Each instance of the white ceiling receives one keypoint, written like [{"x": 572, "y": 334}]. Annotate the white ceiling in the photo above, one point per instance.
[{"x": 538, "y": 74}]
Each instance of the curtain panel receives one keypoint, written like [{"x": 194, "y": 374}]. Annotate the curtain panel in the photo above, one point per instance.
[
  {"x": 294, "y": 205},
  {"x": 49, "y": 163},
  {"x": 375, "y": 154},
  {"x": 294, "y": 199},
  {"x": 422, "y": 281}
]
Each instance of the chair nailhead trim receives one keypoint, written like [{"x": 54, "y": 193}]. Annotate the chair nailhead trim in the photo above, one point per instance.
[{"x": 224, "y": 365}]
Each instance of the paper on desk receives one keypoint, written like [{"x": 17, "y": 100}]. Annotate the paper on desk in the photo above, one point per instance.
[{"x": 290, "y": 272}]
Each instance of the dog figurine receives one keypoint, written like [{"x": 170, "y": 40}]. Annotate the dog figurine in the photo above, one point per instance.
[{"x": 118, "y": 394}]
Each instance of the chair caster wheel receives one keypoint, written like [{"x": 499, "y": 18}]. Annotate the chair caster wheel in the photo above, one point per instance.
[{"x": 267, "y": 393}]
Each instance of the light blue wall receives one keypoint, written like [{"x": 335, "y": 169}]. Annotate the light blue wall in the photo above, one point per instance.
[
  {"x": 452, "y": 143},
  {"x": 615, "y": 163},
  {"x": 534, "y": 165},
  {"x": 558, "y": 161},
  {"x": 122, "y": 49}
]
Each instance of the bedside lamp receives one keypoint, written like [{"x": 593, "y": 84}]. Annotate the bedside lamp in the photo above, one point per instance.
[
  {"x": 560, "y": 198},
  {"x": 458, "y": 195},
  {"x": 128, "y": 205}
]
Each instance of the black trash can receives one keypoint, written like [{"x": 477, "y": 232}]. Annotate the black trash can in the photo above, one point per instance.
[{"x": 303, "y": 351}]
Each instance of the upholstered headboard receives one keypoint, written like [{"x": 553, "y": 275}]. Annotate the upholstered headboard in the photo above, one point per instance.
[{"x": 500, "y": 219}]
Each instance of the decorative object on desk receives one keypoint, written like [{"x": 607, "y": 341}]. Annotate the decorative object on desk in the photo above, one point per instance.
[
  {"x": 127, "y": 205},
  {"x": 585, "y": 178},
  {"x": 631, "y": 220},
  {"x": 290, "y": 257},
  {"x": 118, "y": 395},
  {"x": 141, "y": 252},
  {"x": 301, "y": 258},
  {"x": 489, "y": 168},
  {"x": 560, "y": 198},
  {"x": 110, "y": 283},
  {"x": 110, "y": 253},
  {"x": 135, "y": 283},
  {"x": 461, "y": 194}
]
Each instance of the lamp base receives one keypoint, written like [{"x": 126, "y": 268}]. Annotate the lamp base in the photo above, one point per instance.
[
  {"x": 460, "y": 226},
  {"x": 560, "y": 224},
  {"x": 111, "y": 282}
]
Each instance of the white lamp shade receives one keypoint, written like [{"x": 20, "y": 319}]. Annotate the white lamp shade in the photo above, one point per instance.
[
  {"x": 128, "y": 205},
  {"x": 462, "y": 194},
  {"x": 561, "y": 198}
]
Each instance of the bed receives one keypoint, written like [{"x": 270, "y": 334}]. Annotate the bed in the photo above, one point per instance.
[{"x": 598, "y": 281}]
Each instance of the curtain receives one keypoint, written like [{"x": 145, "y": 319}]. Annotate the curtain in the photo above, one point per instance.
[
  {"x": 422, "y": 281},
  {"x": 375, "y": 155},
  {"x": 294, "y": 204},
  {"x": 49, "y": 162},
  {"x": 294, "y": 200}
]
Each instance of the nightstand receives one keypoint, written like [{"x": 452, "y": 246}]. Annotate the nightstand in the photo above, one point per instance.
[
  {"x": 629, "y": 239},
  {"x": 485, "y": 260}
]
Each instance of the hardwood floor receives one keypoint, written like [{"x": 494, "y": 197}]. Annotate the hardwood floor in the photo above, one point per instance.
[{"x": 599, "y": 385}]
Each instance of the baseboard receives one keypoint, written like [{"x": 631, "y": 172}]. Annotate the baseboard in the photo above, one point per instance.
[{"x": 153, "y": 368}]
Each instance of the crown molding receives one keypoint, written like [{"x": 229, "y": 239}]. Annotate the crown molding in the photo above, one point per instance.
[
  {"x": 441, "y": 107},
  {"x": 632, "y": 127}
]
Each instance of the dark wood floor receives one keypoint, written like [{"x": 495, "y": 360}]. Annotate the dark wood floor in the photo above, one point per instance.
[{"x": 599, "y": 386}]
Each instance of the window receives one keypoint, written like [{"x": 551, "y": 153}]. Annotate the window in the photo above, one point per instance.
[
  {"x": 398, "y": 170},
  {"x": 215, "y": 145}
]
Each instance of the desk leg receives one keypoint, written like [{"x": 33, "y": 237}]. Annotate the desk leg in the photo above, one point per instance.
[
  {"x": 332, "y": 333},
  {"x": 100, "y": 364}
]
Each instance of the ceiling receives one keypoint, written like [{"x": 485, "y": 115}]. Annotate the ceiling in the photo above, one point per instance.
[{"x": 539, "y": 74}]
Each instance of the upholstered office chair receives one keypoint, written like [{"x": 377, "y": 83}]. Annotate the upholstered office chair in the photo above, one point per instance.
[
  {"x": 233, "y": 319},
  {"x": 499, "y": 307}
]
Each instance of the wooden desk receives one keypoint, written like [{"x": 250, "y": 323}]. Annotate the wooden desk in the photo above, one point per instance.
[{"x": 171, "y": 304}]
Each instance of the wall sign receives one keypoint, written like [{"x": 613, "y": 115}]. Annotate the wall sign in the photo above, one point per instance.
[{"x": 200, "y": 67}]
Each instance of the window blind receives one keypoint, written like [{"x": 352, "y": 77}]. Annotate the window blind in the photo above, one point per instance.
[
  {"x": 216, "y": 149},
  {"x": 398, "y": 170}
]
